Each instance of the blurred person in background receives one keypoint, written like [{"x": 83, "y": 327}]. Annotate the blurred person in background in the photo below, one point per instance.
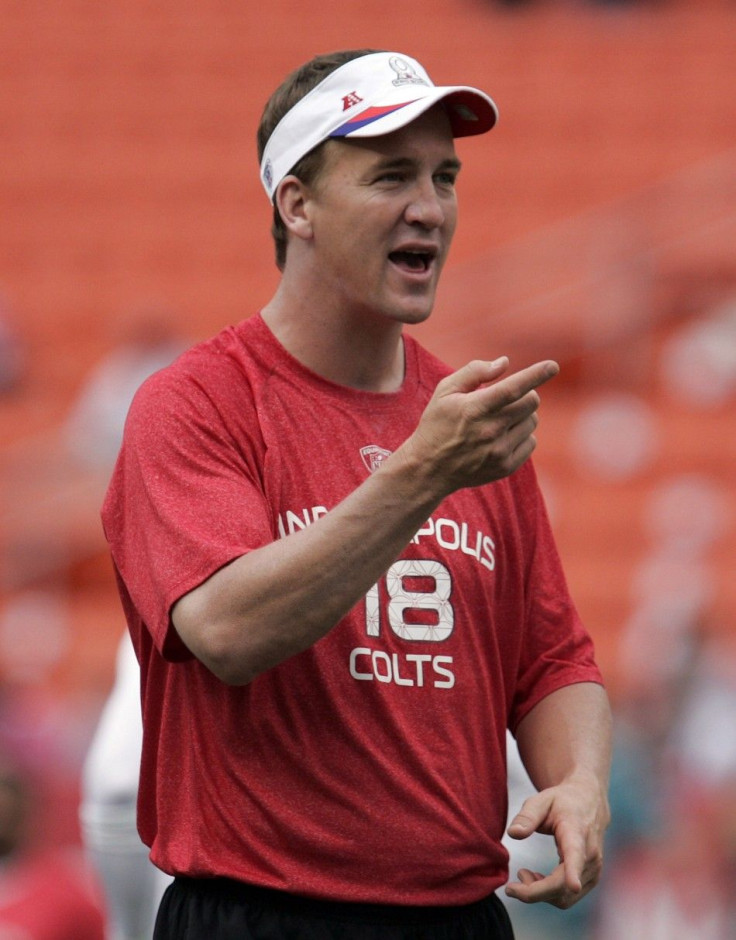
[
  {"x": 51, "y": 482},
  {"x": 45, "y": 893},
  {"x": 672, "y": 849},
  {"x": 149, "y": 339},
  {"x": 678, "y": 883},
  {"x": 132, "y": 885},
  {"x": 327, "y": 672}
]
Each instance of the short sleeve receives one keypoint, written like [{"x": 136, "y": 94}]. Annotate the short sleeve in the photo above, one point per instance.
[
  {"x": 556, "y": 648},
  {"x": 186, "y": 496}
]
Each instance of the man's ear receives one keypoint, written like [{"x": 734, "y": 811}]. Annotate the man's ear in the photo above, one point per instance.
[{"x": 291, "y": 201}]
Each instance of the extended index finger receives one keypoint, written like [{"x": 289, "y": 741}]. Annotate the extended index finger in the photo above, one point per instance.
[{"x": 514, "y": 387}]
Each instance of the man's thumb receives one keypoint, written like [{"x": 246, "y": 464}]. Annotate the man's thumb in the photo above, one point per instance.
[
  {"x": 474, "y": 374},
  {"x": 529, "y": 818}
]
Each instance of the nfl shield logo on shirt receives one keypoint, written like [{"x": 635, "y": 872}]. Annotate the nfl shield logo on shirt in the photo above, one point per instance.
[{"x": 373, "y": 456}]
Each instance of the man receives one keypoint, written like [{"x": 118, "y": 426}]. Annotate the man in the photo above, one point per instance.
[{"x": 337, "y": 568}]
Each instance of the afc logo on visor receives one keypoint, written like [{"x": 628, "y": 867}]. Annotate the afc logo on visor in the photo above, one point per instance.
[{"x": 350, "y": 100}]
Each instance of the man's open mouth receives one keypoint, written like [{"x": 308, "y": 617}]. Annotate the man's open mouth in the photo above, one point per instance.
[{"x": 412, "y": 260}]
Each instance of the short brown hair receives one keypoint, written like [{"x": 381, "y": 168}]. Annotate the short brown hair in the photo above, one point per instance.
[{"x": 291, "y": 90}]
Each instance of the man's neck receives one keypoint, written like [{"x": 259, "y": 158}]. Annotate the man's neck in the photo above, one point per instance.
[{"x": 353, "y": 351}]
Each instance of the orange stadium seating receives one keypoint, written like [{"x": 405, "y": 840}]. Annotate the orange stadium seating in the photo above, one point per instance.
[{"x": 598, "y": 222}]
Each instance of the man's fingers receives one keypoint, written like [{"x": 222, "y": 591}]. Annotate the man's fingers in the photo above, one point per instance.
[
  {"x": 516, "y": 386},
  {"x": 521, "y": 429},
  {"x": 479, "y": 425},
  {"x": 473, "y": 375},
  {"x": 571, "y": 880},
  {"x": 521, "y": 827},
  {"x": 535, "y": 888},
  {"x": 581, "y": 865},
  {"x": 574, "y": 864},
  {"x": 531, "y": 815}
]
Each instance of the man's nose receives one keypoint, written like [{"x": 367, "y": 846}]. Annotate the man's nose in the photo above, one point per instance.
[{"x": 425, "y": 206}]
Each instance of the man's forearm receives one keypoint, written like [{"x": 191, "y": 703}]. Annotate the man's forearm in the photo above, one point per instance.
[
  {"x": 565, "y": 743},
  {"x": 280, "y": 599},
  {"x": 567, "y": 732}
]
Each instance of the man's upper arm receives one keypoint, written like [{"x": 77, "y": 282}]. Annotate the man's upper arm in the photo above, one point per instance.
[{"x": 183, "y": 502}]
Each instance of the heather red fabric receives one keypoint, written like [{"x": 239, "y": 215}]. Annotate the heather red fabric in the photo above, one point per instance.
[{"x": 372, "y": 766}]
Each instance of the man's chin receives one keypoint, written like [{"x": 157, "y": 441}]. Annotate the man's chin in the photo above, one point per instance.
[{"x": 415, "y": 310}]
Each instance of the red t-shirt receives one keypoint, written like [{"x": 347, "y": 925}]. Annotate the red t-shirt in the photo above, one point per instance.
[{"x": 371, "y": 766}]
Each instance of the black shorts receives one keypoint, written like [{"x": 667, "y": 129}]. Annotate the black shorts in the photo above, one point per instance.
[{"x": 220, "y": 909}]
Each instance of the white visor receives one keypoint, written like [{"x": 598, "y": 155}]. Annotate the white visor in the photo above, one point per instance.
[{"x": 367, "y": 97}]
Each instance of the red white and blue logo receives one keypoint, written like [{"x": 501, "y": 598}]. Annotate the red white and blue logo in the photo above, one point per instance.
[{"x": 368, "y": 117}]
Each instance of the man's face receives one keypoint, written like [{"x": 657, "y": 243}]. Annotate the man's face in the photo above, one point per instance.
[{"x": 383, "y": 214}]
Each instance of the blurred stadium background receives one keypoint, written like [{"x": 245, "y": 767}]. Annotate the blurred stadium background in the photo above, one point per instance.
[{"x": 598, "y": 226}]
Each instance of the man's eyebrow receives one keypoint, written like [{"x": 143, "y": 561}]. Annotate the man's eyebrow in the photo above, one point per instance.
[
  {"x": 451, "y": 163},
  {"x": 402, "y": 163}
]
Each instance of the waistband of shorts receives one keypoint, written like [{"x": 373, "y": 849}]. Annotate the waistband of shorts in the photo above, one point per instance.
[{"x": 227, "y": 889}]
